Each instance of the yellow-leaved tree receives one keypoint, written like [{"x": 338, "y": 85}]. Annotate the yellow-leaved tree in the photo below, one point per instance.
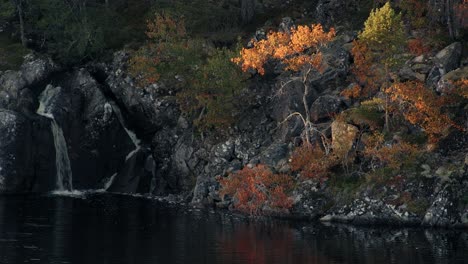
[{"x": 378, "y": 51}]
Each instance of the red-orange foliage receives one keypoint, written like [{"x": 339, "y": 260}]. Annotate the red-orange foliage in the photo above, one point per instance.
[
  {"x": 311, "y": 162},
  {"x": 367, "y": 74},
  {"x": 422, "y": 107},
  {"x": 164, "y": 28},
  {"x": 417, "y": 47},
  {"x": 393, "y": 155},
  {"x": 352, "y": 92},
  {"x": 462, "y": 88},
  {"x": 255, "y": 188},
  {"x": 296, "y": 49},
  {"x": 461, "y": 14}
]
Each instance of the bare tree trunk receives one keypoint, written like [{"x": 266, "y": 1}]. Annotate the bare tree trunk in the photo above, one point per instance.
[
  {"x": 449, "y": 18},
  {"x": 308, "y": 124},
  {"x": 387, "y": 119},
  {"x": 19, "y": 8},
  {"x": 247, "y": 10}
]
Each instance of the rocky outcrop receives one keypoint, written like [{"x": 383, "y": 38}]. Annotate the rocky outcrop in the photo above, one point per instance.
[
  {"x": 449, "y": 208},
  {"x": 325, "y": 107},
  {"x": 97, "y": 139},
  {"x": 17, "y": 87},
  {"x": 333, "y": 12},
  {"x": 25, "y": 164},
  {"x": 128, "y": 139}
]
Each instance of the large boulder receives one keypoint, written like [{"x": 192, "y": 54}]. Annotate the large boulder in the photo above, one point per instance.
[
  {"x": 35, "y": 70},
  {"x": 449, "y": 208},
  {"x": 16, "y": 158},
  {"x": 446, "y": 83},
  {"x": 343, "y": 137},
  {"x": 446, "y": 60},
  {"x": 134, "y": 176},
  {"x": 25, "y": 153},
  {"x": 325, "y": 107},
  {"x": 449, "y": 58}
]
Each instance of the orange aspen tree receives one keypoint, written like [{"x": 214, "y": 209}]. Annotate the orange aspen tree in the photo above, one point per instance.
[{"x": 299, "y": 50}]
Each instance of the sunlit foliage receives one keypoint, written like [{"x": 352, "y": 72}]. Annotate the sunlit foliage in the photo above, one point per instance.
[
  {"x": 461, "y": 88},
  {"x": 254, "y": 189},
  {"x": 421, "y": 107},
  {"x": 311, "y": 162},
  {"x": 295, "y": 49},
  {"x": 393, "y": 155}
]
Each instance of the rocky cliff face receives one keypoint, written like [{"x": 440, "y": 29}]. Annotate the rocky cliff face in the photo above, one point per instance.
[{"x": 135, "y": 140}]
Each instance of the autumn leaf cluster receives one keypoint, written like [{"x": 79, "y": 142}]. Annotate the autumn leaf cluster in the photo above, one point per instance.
[
  {"x": 254, "y": 189},
  {"x": 295, "y": 49}
]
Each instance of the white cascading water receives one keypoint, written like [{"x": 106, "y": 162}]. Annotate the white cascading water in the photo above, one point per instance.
[
  {"x": 108, "y": 184},
  {"x": 130, "y": 134},
  {"x": 62, "y": 162}
]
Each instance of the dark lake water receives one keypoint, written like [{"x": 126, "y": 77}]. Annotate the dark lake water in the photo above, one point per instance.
[{"x": 103, "y": 228}]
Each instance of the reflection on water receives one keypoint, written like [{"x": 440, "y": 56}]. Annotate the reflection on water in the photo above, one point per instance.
[{"x": 120, "y": 229}]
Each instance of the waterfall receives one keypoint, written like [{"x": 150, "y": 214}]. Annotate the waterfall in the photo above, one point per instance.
[
  {"x": 109, "y": 107},
  {"x": 108, "y": 184},
  {"x": 130, "y": 133},
  {"x": 62, "y": 162}
]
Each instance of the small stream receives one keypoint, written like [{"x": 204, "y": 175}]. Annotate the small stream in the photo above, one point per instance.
[{"x": 109, "y": 228}]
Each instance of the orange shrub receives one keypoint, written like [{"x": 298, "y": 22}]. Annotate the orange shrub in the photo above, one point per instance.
[
  {"x": 367, "y": 74},
  {"x": 311, "y": 162},
  {"x": 352, "y": 92},
  {"x": 462, "y": 88},
  {"x": 422, "y": 107},
  {"x": 393, "y": 155},
  {"x": 417, "y": 46},
  {"x": 253, "y": 189}
]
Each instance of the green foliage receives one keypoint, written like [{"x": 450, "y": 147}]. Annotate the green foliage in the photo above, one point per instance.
[
  {"x": 169, "y": 52},
  {"x": 202, "y": 17},
  {"x": 11, "y": 53},
  {"x": 73, "y": 32},
  {"x": 384, "y": 33},
  {"x": 7, "y": 9},
  {"x": 347, "y": 185},
  {"x": 214, "y": 87},
  {"x": 464, "y": 199},
  {"x": 76, "y": 31},
  {"x": 369, "y": 113},
  {"x": 418, "y": 206},
  {"x": 206, "y": 78}
]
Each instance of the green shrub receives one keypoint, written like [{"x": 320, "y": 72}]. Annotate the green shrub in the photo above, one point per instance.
[
  {"x": 207, "y": 80},
  {"x": 11, "y": 53}
]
